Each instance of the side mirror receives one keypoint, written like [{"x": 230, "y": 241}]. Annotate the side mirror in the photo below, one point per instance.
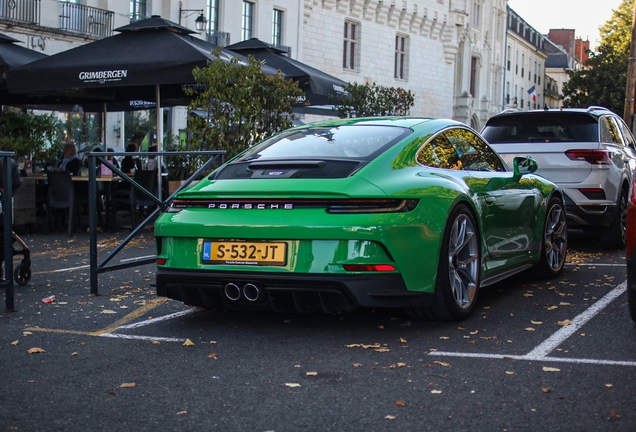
[{"x": 524, "y": 165}]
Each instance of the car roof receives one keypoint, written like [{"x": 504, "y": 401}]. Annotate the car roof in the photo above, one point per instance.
[
  {"x": 594, "y": 111},
  {"x": 407, "y": 122}
]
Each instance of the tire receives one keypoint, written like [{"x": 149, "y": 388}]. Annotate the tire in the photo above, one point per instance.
[
  {"x": 631, "y": 301},
  {"x": 613, "y": 237},
  {"x": 458, "y": 271},
  {"x": 22, "y": 274},
  {"x": 554, "y": 246}
]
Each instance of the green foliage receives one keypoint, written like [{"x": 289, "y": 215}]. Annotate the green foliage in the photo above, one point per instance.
[
  {"x": 238, "y": 104},
  {"x": 375, "y": 100},
  {"x": 604, "y": 81},
  {"x": 28, "y": 134},
  {"x": 138, "y": 124},
  {"x": 85, "y": 130}
]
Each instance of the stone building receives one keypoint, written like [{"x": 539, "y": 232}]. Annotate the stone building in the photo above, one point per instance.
[{"x": 450, "y": 53}]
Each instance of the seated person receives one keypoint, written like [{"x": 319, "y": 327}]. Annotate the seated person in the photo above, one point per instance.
[
  {"x": 131, "y": 162},
  {"x": 71, "y": 162}
]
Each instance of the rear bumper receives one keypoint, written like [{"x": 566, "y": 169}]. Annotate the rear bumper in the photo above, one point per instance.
[
  {"x": 589, "y": 215},
  {"x": 290, "y": 292}
]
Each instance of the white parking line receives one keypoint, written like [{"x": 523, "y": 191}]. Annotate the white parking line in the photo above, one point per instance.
[
  {"x": 159, "y": 319},
  {"x": 540, "y": 352},
  {"x": 149, "y": 338}
]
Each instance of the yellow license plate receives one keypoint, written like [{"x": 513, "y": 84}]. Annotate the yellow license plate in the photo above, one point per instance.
[{"x": 244, "y": 253}]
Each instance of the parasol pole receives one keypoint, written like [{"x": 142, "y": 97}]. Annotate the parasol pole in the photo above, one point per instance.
[
  {"x": 104, "y": 128},
  {"x": 159, "y": 138}
]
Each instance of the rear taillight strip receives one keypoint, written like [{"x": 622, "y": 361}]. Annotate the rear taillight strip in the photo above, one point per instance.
[{"x": 594, "y": 157}]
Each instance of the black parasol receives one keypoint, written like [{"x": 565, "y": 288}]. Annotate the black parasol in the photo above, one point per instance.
[{"x": 319, "y": 87}]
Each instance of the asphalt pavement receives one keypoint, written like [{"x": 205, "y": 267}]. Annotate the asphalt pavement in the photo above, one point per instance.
[{"x": 127, "y": 360}]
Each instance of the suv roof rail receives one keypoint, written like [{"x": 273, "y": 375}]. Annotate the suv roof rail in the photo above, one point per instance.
[
  {"x": 510, "y": 110},
  {"x": 592, "y": 108}
]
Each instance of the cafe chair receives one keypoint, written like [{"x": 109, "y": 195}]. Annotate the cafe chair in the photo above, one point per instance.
[
  {"x": 148, "y": 180},
  {"x": 61, "y": 195}
]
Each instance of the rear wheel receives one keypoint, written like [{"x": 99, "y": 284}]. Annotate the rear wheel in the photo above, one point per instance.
[
  {"x": 613, "y": 237},
  {"x": 554, "y": 247},
  {"x": 457, "y": 272}
]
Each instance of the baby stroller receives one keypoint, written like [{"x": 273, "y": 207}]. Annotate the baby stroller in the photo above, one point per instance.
[{"x": 22, "y": 271}]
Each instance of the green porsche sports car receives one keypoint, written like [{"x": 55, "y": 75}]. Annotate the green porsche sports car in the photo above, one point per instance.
[{"x": 406, "y": 212}]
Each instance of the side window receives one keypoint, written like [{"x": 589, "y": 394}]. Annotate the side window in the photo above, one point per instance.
[
  {"x": 627, "y": 136},
  {"x": 474, "y": 153},
  {"x": 609, "y": 131},
  {"x": 439, "y": 153}
]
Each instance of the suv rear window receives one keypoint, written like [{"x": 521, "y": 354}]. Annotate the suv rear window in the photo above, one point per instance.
[{"x": 541, "y": 128}]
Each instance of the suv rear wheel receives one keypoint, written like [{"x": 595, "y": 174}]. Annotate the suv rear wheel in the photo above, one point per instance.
[{"x": 614, "y": 236}]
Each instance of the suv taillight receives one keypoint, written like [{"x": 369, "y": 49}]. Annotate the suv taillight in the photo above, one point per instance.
[{"x": 594, "y": 157}]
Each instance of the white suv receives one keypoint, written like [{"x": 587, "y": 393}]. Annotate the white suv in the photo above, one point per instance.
[{"x": 590, "y": 153}]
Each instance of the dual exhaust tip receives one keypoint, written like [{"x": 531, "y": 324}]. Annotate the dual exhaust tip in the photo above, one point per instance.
[{"x": 249, "y": 292}]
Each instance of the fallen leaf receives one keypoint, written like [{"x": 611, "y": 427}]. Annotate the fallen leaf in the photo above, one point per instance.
[
  {"x": 549, "y": 369},
  {"x": 527, "y": 295},
  {"x": 565, "y": 304},
  {"x": 108, "y": 311},
  {"x": 213, "y": 356},
  {"x": 188, "y": 342},
  {"x": 15, "y": 342},
  {"x": 357, "y": 364},
  {"x": 36, "y": 350},
  {"x": 509, "y": 373},
  {"x": 474, "y": 332},
  {"x": 401, "y": 364},
  {"x": 293, "y": 385},
  {"x": 529, "y": 329},
  {"x": 437, "y": 362},
  {"x": 552, "y": 307},
  {"x": 402, "y": 340},
  {"x": 182, "y": 412},
  {"x": 567, "y": 322},
  {"x": 381, "y": 327},
  {"x": 545, "y": 389},
  {"x": 614, "y": 413},
  {"x": 436, "y": 391},
  {"x": 609, "y": 385},
  {"x": 444, "y": 337},
  {"x": 75, "y": 354},
  {"x": 155, "y": 342},
  {"x": 400, "y": 403},
  {"x": 128, "y": 385},
  {"x": 382, "y": 350},
  {"x": 536, "y": 322},
  {"x": 26, "y": 333},
  {"x": 311, "y": 373},
  {"x": 375, "y": 345},
  {"x": 389, "y": 417}
]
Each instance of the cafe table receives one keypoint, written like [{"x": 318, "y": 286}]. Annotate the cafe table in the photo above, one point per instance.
[{"x": 109, "y": 181}]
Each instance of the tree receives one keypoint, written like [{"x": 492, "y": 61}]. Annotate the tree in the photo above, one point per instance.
[
  {"x": 237, "y": 105},
  {"x": 375, "y": 100},
  {"x": 603, "y": 81},
  {"x": 29, "y": 135}
]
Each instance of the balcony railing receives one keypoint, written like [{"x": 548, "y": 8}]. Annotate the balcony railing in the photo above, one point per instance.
[
  {"x": 22, "y": 11},
  {"x": 85, "y": 20}
]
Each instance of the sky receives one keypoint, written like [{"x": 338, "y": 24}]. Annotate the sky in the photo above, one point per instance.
[{"x": 584, "y": 16}]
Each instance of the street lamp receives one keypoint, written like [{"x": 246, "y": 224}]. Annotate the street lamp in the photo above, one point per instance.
[{"x": 200, "y": 23}]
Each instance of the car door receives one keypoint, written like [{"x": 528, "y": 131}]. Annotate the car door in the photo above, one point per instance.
[{"x": 509, "y": 205}]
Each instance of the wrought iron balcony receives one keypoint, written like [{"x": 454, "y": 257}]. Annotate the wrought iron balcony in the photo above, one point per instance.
[
  {"x": 85, "y": 20},
  {"x": 21, "y": 11}
]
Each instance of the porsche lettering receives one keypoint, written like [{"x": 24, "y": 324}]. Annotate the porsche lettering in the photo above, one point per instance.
[{"x": 250, "y": 206}]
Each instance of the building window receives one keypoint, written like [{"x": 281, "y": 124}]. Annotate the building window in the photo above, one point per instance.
[
  {"x": 473, "y": 76},
  {"x": 248, "y": 20},
  {"x": 213, "y": 16},
  {"x": 137, "y": 10},
  {"x": 277, "y": 27},
  {"x": 523, "y": 63},
  {"x": 508, "y": 58},
  {"x": 517, "y": 62},
  {"x": 399, "y": 67},
  {"x": 476, "y": 13},
  {"x": 351, "y": 42}
]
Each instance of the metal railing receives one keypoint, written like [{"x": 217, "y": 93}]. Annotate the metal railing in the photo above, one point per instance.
[
  {"x": 85, "y": 20},
  {"x": 7, "y": 235},
  {"x": 215, "y": 157},
  {"x": 23, "y": 11}
]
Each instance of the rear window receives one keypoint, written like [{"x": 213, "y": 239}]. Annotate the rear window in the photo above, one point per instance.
[
  {"x": 541, "y": 128},
  {"x": 342, "y": 142}
]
